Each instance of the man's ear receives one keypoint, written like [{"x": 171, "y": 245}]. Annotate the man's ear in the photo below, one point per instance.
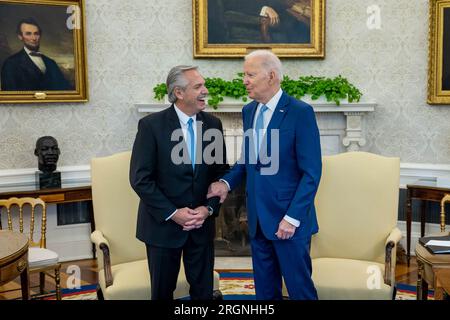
[
  {"x": 178, "y": 93},
  {"x": 271, "y": 75},
  {"x": 35, "y": 152}
]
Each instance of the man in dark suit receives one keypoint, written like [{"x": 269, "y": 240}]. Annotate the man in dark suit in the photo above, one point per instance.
[
  {"x": 28, "y": 69},
  {"x": 280, "y": 188},
  {"x": 172, "y": 166}
]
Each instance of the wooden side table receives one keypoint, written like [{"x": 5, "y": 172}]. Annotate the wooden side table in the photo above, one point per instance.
[
  {"x": 428, "y": 264},
  {"x": 14, "y": 259},
  {"x": 66, "y": 194},
  {"x": 424, "y": 190}
]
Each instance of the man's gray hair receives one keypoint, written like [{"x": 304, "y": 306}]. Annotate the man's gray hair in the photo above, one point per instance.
[
  {"x": 176, "y": 79},
  {"x": 270, "y": 62}
]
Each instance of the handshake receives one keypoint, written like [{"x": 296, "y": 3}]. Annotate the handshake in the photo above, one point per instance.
[{"x": 191, "y": 219}]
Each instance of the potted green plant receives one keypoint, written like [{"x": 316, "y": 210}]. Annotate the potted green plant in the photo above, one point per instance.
[{"x": 332, "y": 89}]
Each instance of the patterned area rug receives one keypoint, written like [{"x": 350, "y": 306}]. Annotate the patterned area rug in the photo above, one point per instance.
[
  {"x": 408, "y": 292},
  {"x": 240, "y": 286},
  {"x": 235, "y": 285},
  {"x": 88, "y": 292}
]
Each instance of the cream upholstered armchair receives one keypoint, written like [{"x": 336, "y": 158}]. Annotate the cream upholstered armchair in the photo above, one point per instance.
[
  {"x": 354, "y": 252},
  {"x": 122, "y": 259}
]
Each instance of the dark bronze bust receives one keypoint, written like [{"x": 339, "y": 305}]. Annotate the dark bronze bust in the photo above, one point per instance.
[{"x": 48, "y": 152}]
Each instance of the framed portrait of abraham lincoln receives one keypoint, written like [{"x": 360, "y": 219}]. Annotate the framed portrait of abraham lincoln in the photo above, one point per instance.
[
  {"x": 233, "y": 28},
  {"x": 439, "y": 53},
  {"x": 42, "y": 51}
]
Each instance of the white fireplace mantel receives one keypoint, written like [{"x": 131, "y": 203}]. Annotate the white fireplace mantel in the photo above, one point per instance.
[{"x": 353, "y": 139}]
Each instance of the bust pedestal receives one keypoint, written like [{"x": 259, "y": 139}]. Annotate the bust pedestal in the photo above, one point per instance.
[{"x": 48, "y": 180}]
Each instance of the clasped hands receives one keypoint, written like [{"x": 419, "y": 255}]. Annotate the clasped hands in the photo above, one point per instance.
[{"x": 191, "y": 219}]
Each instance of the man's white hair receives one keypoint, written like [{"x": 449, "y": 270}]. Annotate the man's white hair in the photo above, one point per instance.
[
  {"x": 270, "y": 62},
  {"x": 176, "y": 79}
]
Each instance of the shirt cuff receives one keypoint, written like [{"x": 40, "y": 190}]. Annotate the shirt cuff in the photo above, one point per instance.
[
  {"x": 226, "y": 182},
  {"x": 170, "y": 217},
  {"x": 292, "y": 221},
  {"x": 263, "y": 11}
]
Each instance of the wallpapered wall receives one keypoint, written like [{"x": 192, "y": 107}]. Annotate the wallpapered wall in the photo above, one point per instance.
[{"x": 132, "y": 45}]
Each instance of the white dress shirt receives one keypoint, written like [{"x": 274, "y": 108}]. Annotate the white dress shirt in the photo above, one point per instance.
[
  {"x": 37, "y": 61},
  {"x": 271, "y": 105},
  {"x": 184, "y": 118}
]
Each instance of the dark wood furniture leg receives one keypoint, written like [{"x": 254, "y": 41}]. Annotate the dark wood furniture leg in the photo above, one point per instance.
[{"x": 408, "y": 225}]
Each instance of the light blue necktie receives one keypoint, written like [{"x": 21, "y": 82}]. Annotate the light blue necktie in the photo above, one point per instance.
[
  {"x": 191, "y": 141},
  {"x": 259, "y": 126}
]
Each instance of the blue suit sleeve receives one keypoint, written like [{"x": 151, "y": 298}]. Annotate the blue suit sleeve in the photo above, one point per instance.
[{"x": 309, "y": 162}]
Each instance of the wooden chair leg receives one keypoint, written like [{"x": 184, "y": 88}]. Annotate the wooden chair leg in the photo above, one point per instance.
[
  {"x": 100, "y": 293},
  {"x": 57, "y": 282},
  {"x": 419, "y": 280},
  {"x": 41, "y": 282},
  {"x": 424, "y": 290}
]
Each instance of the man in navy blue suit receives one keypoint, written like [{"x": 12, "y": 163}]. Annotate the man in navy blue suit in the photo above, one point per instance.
[
  {"x": 283, "y": 169},
  {"x": 29, "y": 69}
]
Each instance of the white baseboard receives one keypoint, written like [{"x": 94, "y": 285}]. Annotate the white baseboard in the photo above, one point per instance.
[{"x": 411, "y": 172}]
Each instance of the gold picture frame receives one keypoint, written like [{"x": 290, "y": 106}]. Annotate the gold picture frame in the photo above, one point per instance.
[
  {"x": 42, "y": 51},
  {"x": 233, "y": 28},
  {"x": 439, "y": 53}
]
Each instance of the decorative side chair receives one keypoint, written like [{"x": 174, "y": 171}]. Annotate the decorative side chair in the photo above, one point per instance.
[{"x": 40, "y": 259}]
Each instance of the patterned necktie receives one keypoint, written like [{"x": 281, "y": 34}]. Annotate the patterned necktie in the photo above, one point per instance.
[
  {"x": 191, "y": 142},
  {"x": 259, "y": 126}
]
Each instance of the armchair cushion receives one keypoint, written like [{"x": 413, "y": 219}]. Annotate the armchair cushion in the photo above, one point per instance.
[{"x": 347, "y": 279}]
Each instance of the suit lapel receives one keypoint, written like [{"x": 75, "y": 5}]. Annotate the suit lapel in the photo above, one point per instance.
[
  {"x": 174, "y": 124},
  {"x": 279, "y": 113},
  {"x": 250, "y": 119},
  {"x": 28, "y": 64},
  {"x": 275, "y": 122}
]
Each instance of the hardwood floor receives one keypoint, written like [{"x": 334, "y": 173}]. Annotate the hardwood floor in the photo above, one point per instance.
[
  {"x": 88, "y": 275},
  {"x": 87, "y": 269}
]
